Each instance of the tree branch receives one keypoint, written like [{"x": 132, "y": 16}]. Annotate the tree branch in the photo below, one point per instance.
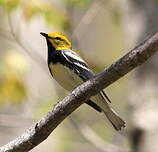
[{"x": 38, "y": 133}]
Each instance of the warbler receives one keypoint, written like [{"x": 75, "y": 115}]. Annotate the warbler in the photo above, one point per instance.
[{"x": 70, "y": 70}]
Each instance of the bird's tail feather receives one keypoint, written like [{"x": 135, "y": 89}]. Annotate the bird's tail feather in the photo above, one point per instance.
[
  {"x": 115, "y": 119},
  {"x": 111, "y": 115}
]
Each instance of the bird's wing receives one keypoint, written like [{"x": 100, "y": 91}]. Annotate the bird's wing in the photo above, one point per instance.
[{"x": 81, "y": 67}]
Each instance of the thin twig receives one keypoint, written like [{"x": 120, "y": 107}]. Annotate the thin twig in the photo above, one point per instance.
[
  {"x": 3, "y": 35},
  {"x": 35, "y": 56},
  {"x": 87, "y": 18}
]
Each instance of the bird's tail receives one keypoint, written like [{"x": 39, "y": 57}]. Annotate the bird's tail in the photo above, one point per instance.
[{"x": 112, "y": 116}]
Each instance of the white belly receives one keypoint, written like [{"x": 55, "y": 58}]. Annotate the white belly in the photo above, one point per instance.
[
  {"x": 69, "y": 80},
  {"x": 65, "y": 77}
]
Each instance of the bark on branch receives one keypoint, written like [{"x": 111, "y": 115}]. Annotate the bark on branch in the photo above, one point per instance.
[{"x": 42, "y": 129}]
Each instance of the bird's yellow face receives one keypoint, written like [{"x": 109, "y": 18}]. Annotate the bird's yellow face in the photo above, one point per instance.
[{"x": 58, "y": 40}]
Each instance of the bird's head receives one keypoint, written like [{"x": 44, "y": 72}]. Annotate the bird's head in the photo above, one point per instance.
[{"x": 57, "y": 40}]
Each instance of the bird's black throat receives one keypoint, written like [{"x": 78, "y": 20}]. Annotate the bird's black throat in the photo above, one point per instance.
[
  {"x": 51, "y": 52},
  {"x": 54, "y": 56}
]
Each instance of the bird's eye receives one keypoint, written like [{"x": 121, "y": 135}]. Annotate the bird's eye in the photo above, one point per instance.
[{"x": 57, "y": 38}]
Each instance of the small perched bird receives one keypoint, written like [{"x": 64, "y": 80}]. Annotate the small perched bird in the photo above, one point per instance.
[{"x": 69, "y": 70}]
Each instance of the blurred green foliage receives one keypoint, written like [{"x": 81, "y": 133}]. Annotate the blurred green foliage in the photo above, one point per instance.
[
  {"x": 77, "y": 3},
  {"x": 12, "y": 88},
  {"x": 51, "y": 14},
  {"x": 10, "y": 4}
]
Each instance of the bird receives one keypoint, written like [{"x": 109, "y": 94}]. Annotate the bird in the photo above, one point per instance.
[{"x": 70, "y": 70}]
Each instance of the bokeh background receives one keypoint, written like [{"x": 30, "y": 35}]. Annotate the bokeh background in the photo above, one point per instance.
[{"x": 101, "y": 32}]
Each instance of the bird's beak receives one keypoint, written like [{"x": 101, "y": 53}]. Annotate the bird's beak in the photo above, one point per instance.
[{"x": 44, "y": 34}]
